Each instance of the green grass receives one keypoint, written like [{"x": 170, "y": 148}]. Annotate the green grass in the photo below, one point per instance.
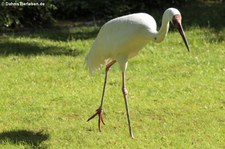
[{"x": 176, "y": 98}]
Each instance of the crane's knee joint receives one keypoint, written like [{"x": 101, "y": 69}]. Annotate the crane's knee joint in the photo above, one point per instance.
[{"x": 124, "y": 90}]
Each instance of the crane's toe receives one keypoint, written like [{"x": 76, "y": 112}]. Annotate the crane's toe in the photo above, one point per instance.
[{"x": 99, "y": 112}]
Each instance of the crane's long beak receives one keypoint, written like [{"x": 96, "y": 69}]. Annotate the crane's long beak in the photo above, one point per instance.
[
  {"x": 177, "y": 22},
  {"x": 181, "y": 31}
]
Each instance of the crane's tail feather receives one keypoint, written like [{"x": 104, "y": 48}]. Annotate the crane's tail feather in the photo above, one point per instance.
[
  {"x": 92, "y": 63},
  {"x": 89, "y": 66}
]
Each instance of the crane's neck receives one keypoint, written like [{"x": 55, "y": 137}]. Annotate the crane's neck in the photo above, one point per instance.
[{"x": 161, "y": 34}]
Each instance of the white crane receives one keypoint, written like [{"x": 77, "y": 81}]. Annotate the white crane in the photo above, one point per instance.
[{"x": 122, "y": 38}]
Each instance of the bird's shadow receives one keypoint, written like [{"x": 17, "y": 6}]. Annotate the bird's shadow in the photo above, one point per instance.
[{"x": 25, "y": 137}]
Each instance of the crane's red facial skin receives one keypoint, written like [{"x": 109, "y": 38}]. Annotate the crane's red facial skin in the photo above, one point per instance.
[
  {"x": 177, "y": 23},
  {"x": 177, "y": 19}
]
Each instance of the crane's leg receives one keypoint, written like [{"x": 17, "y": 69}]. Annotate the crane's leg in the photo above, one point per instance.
[
  {"x": 125, "y": 93},
  {"x": 99, "y": 111}
]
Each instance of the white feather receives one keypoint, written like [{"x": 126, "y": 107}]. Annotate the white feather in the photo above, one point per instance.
[{"x": 123, "y": 37}]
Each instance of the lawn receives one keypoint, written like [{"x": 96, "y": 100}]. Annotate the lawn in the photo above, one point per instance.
[{"x": 176, "y": 98}]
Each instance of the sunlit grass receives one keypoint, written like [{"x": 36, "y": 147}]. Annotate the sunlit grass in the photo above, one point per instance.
[{"x": 177, "y": 99}]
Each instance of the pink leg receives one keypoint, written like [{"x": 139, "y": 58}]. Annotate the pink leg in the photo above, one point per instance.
[
  {"x": 125, "y": 93},
  {"x": 99, "y": 111}
]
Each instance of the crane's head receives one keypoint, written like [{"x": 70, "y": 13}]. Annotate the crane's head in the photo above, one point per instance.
[{"x": 175, "y": 18}]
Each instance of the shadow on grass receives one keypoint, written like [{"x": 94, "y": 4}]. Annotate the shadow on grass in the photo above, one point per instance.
[
  {"x": 8, "y": 46},
  {"x": 25, "y": 137},
  {"x": 31, "y": 49},
  {"x": 67, "y": 33},
  {"x": 56, "y": 33}
]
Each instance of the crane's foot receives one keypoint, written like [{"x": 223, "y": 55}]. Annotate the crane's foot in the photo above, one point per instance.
[
  {"x": 99, "y": 112},
  {"x": 131, "y": 135}
]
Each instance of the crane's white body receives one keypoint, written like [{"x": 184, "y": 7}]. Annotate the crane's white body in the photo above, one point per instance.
[{"x": 121, "y": 38}]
